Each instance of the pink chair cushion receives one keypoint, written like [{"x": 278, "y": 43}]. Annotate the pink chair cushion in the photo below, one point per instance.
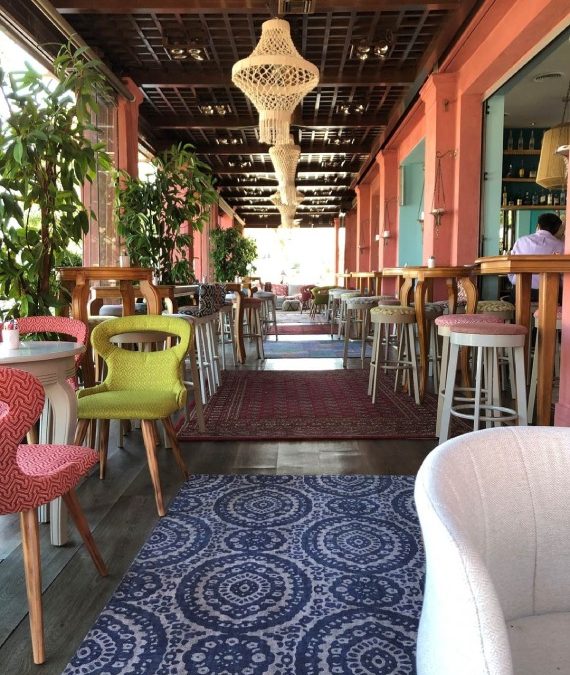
[
  {"x": 31, "y": 475},
  {"x": 466, "y": 319},
  {"x": 490, "y": 328}
]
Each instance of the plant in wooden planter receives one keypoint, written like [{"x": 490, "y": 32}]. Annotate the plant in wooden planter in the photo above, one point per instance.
[
  {"x": 46, "y": 155},
  {"x": 156, "y": 215}
]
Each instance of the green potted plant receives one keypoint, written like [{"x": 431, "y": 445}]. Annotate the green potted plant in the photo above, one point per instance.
[
  {"x": 46, "y": 155},
  {"x": 151, "y": 213},
  {"x": 232, "y": 254}
]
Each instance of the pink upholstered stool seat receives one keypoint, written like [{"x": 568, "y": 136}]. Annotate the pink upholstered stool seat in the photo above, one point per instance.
[{"x": 490, "y": 328}]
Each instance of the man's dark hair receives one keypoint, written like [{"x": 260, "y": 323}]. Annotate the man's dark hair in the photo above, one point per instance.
[{"x": 549, "y": 222}]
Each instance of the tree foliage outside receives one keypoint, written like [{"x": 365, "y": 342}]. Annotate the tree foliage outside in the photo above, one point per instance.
[
  {"x": 46, "y": 155},
  {"x": 232, "y": 254},
  {"x": 151, "y": 212}
]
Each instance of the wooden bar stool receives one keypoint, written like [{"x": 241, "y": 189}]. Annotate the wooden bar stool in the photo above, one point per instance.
[
  {"x": 486, "y": 339},
  {"x": 253, "y": 308},
  {"x": 383, "y": 318},
  {"x": 226, "y": 330},
  {"x": 534, "y": 371}
]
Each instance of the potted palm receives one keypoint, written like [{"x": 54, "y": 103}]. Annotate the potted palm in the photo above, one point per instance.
[
  {"x": 156, "y": 215},
  {"x": 46, "y": 155}
]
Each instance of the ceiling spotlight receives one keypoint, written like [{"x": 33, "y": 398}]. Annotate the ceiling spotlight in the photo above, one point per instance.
[
  {"x": 351, "y": 108},
  {"x": 197, "y": 53},
  {"x": 378, "y": 48},
  {"x": 381, "y": 50},
  {"x": 209, "y": 109}
]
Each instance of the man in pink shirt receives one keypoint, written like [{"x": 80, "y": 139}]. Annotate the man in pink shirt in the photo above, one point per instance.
[{"x": 542, "y": 242}]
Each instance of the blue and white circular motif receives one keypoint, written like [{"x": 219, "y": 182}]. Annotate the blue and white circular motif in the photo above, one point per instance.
[
  {"x": 352, "y": 506},
  {"x": 242, "y": 593},
  {"x": 244, "y": 655},
  {"x": 357, "y": 641},
  {"x": 176, "y": 540},
  {"x": 404, "y": 504},
  {"x": 368, "y": 545},
  {"x": 198, "y": 484},
  {"x": 267, "y": 506},
  {"x": 125, "y": 637},
  {"x": 139, "y": 584},
  {"x": 349, "y": 486},
  {"x": 252, "y": 540},
  {"x": 367, "y": 591}
]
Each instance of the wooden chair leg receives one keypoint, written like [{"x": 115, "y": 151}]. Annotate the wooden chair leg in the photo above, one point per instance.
[
  {"x": 171, "y": 433},
  {"x": 147, "y": 427},
  {"x": 81, "y": 431},
  {"x": 103, "y": 447},
  {"x": 72, "y": 503},
  {"x": 31, "y": 552}
]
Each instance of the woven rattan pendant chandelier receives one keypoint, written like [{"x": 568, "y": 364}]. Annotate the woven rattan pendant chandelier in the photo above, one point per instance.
[
  {"x": 275, "y": 77},
  {"x": 287, "y": 211},
  {"x": 285, "y": 159}
]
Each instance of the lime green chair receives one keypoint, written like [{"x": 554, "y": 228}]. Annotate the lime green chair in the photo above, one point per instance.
[{"x": 138, "y": 385}]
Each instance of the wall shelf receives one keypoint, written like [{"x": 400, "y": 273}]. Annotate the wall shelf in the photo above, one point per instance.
[
  {"x": 522, "y": 153},
  {"x": 519, "y": 180},
  {"x": 529, "y": 207}
]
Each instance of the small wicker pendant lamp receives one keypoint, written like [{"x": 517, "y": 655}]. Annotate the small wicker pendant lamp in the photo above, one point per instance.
[
  {"x": 275, "y": 77},
  {"x": 285, "y": 159},
  {"x": 287, "y": 211}
]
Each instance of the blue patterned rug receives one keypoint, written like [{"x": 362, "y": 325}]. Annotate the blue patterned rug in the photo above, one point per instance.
[
  {"x": 249, "y": 575},
  {"x": 313, "y": 349}
]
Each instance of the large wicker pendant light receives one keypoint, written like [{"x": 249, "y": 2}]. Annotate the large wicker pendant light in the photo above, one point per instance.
[
  {"x": 552, "y": 171},
  {"x": 287, "y": 211},
  {"x": 275, "y": 77},
  {"x": 285, "y": 159}
]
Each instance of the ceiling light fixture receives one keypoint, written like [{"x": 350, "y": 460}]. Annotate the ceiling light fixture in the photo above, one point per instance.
[
  {"x": 275, "y": 77},
  {"x": 379, "y": 48}
]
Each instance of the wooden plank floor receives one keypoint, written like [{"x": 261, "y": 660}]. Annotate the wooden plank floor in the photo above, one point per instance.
[{"x": 122, "y": 512}]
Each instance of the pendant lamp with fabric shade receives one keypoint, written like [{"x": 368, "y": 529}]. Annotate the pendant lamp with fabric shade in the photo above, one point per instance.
[
  {"x": 552, "y": 170},
  {"x": 275, "y": 77},
  {"x": 287, "y": 211},
  {"x": 285, "y": 159}
]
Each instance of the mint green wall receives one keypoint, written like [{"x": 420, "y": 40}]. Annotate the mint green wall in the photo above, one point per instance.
[{"x": 410, "y": 236}]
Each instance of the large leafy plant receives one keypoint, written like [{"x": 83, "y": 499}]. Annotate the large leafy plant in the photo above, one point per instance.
[
  {"x": 232, "y": 253},
  {"x": 46, "y": 155},
  {"x": 156, "y": 215}
]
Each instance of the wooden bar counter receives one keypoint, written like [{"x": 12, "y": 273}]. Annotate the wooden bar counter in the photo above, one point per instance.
[
  {"x": 549, "y": 268},
  {"x": 423, "y": 278},
  {"x": 78, "y": 281}
]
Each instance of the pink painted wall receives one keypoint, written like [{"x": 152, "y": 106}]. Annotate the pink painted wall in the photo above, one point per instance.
[{"x": 350, "y": 223}]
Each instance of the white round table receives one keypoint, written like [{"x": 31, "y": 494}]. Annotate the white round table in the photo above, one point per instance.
[{"x": 52, "y": 363}]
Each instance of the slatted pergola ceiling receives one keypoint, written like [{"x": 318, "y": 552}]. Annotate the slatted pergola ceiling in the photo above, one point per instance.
[{"x": 339, "y": 125}]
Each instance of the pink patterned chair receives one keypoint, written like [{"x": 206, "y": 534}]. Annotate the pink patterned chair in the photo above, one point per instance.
[
  {"x": 61, "y": 325},
  {"x": 32, "y": 475}
]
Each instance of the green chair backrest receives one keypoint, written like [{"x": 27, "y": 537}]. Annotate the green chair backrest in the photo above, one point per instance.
[{"x": 134, "y": 370}]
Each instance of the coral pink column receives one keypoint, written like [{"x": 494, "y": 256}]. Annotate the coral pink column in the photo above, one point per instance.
[
  {"x": 562, "y": 410},
  {"x": 128, "y": 130},
  {"x": 439, "y": 95},
  {"x": 387, "y": 161},
  {"x": 362, "y": 227}
]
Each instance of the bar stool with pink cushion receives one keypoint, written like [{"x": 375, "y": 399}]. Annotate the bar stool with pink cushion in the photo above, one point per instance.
[
  {"x": 32, "y": 475},
  {"x": 487, "y": 339},
  {"x": 443, "y": 325}
]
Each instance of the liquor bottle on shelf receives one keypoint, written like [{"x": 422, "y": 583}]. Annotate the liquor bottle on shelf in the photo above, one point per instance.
[
  {"x": 563, "y": 198},
  {"x": 556, "y": 199},
  {"x": 549, "y": 199},
  {"x": 531, "y": 141},
  {"x": 534, "y": 199},
  {"x": 510, "y": 171},
  {"x": 520, "y": 142},
  {"x": 510, "y": 142},
  {"x": 542, "y": 198},
  {"x": 521, "y": 170},
  {"x": 526, "y": 199},
  {"x": 505, "y": 197}
]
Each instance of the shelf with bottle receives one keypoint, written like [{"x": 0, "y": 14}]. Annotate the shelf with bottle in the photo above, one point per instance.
[
  {"x": 522, "y": 140},
  {"x": 516, "y": 196},
  {"x": 530, "y": 207}
]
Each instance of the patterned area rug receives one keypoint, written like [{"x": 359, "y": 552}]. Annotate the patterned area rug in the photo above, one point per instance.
[
  {"x": 328, "y": 404},
  {"x": 330, "y": 583},
  {"x": 312, "y": 349},
  {"x": 301, "y": 329}
]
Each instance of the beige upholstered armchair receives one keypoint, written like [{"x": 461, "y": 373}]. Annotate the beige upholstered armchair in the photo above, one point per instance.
[{"x": 494, "y": 508}]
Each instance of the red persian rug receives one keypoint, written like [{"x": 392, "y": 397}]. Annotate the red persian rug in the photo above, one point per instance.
[
  {"x": 301, "y": 329},
  {"x": 289, "y": 405}
]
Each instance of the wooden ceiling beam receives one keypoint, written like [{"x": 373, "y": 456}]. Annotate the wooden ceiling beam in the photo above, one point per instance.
[
  {"x": 187, "y": 77},
  {"x": 311, "y": 168},
  {"x": 315, "y": 148},
  {"x": 169, "y": 121},
  {"x": 237, "y": 6}
]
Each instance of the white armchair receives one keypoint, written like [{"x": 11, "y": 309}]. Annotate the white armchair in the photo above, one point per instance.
[{"x": 494, "y": 508}]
